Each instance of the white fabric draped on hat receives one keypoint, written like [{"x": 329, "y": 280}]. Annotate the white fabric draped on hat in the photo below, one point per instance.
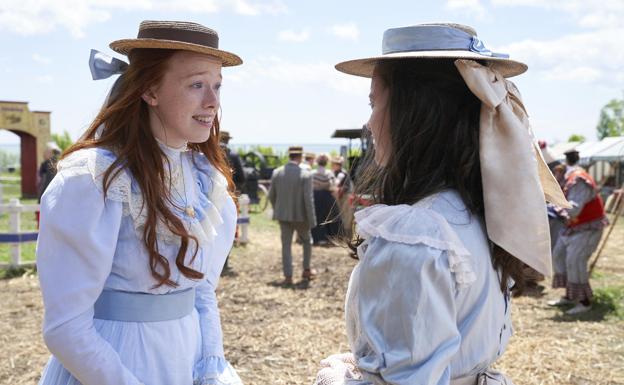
[{"x": 516, "y": 180}]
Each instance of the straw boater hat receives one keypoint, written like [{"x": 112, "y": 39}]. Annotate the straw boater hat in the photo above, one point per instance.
[
  {"x": 433, "y": 41},
  {"x": 177, "y": 35},
  {"x": 295, "y": 150}
]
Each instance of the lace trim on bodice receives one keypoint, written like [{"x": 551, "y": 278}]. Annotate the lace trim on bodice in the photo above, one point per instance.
[
  {"x": 417, "y": 224},
  {"x": 211, "y": 195}
]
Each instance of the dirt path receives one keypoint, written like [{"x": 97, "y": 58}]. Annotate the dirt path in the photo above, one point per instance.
[{"x": 277, "y": 335}]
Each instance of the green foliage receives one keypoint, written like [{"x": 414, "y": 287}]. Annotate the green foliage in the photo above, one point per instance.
[
  {"x": 273, "y": 158},
  {"x": 264, "y": 150},
  {"x": 597, "y": 274},
  {"x": 15, "y": 272},
  {"x": 611, "y": 122},
  {"x": 610, "y": 300},
  {"x": 355, "y": 152},
  {"x": 576, "y": 138},
  {"x": 63, "y": 140},
  {"x": 8, "y": 159}
]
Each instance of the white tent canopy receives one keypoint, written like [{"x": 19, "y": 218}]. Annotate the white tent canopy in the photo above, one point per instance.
[
  {"x": 609, "y": 148},
  {"x": 558, "y": 150},
  {"x": 614, "y": 152}
]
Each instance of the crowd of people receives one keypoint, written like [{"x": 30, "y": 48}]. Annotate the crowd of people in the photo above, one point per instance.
[{"x": 306, "y": 199}]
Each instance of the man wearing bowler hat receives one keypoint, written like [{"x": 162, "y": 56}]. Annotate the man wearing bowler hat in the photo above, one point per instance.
[{"x": 293, "y": 206}]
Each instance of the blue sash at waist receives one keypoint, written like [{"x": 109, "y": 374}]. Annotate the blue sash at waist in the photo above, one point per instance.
[{"x": 127, "y": 306}]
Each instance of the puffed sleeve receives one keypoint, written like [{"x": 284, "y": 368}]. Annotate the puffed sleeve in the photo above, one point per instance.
[
  {"x": 407, "y": 313},
  {"x": 213, "y": 368},
  {"x": 77, "y": 240}
]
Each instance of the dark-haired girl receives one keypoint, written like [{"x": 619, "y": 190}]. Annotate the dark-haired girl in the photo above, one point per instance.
[{"x": 458, "y": 190}]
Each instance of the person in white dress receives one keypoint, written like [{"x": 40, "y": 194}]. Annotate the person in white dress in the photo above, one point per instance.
[
  {"x": 443, "y": 244},
  {"x": 136, "y": 225}
]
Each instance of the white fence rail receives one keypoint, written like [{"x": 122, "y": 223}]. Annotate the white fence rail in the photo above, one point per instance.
[{"x": 15, "y": 237}]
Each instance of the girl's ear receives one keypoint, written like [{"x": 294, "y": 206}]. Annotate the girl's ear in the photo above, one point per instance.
[{"x": 150, "y": 98}]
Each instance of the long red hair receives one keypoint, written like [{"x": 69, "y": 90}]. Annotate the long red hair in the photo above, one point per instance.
[{"x": 126, "y": 131}]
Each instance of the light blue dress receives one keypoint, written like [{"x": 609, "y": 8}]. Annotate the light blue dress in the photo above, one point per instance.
[
  {"x": 424, "y": 304},
  {"x": 88, "y": 243}
]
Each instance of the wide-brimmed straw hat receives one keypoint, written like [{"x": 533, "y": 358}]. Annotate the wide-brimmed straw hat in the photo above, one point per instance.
[
  {"x": 433, "y": 41},
  {"x": 181, "y": 35}
]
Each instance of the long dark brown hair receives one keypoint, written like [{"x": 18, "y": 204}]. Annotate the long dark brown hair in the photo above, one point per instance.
[
  {"x": 434, "y": 130},
  {"x": 126, "y": 132}
]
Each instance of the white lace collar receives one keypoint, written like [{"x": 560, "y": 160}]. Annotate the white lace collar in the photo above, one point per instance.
[
  {"x": 212, "y": 193},
  {"x": 418, "y": 224}
]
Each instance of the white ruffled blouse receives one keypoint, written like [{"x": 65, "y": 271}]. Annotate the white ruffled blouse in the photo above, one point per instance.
[
  {"x": 87, "y": 244},
  {"x": 424, "y": 303}
]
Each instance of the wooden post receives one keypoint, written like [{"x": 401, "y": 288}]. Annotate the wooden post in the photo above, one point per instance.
[
  {"x": 618, "y": 209},
  {"x": 244, "y": 218},
  {"x": 15, "y": 208}
]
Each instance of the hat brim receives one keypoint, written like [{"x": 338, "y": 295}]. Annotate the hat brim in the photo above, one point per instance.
[
  {"x": 124, "y": 47},
  {"x": 365, "y": 67}
]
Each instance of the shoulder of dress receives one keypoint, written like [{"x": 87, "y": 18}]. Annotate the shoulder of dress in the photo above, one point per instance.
[
  {"x": 80, "y": 159},
  {"x": 212, "y": 183},
  {"x": 95, "y": 161},
  {"x": 417, "y": 225},
  {"x": 408, "y": 224},
  {"x": 203, "y": 167}
]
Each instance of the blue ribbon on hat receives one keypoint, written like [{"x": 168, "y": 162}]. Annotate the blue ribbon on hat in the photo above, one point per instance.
[
  {"x": 103, "y": 66},
  {"x": 433, "y": 38}
]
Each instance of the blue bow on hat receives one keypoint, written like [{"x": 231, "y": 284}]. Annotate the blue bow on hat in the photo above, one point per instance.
[{"x": 103, "y": 66}]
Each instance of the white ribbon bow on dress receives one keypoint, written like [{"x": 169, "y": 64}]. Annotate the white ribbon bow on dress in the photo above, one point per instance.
[{"x": 516, "y": 180}]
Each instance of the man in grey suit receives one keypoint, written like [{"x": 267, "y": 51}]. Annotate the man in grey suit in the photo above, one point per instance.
[{"x": 293, "y": 206}]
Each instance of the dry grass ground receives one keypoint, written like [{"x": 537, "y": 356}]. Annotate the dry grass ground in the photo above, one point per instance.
[{"x": 277, "y": 335}]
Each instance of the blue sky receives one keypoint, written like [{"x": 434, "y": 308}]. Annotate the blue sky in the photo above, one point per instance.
[{"x": 287, "y": 90}]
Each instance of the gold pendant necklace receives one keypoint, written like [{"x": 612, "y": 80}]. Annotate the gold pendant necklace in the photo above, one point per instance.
[{"x": 188, "y": 209}]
